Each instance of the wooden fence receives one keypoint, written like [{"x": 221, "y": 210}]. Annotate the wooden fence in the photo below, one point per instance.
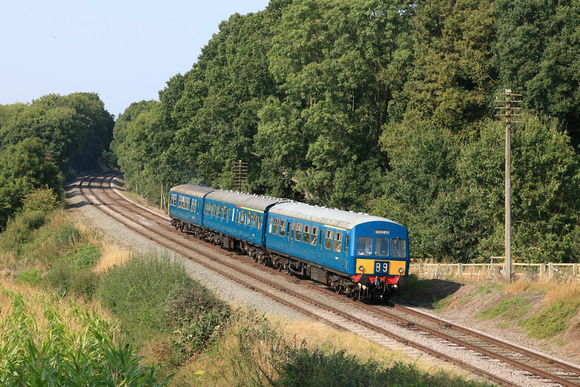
[{"x": 494, "y": 270}]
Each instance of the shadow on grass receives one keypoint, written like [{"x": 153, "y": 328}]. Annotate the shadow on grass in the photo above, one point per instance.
[{"x": 426, "y": 292}]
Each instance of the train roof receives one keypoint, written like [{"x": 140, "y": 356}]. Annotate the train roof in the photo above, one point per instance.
[
  {"x": 330, "y": 217},
  {"x": 253, "y": 202},
  {"x": 192, "y": 190}
]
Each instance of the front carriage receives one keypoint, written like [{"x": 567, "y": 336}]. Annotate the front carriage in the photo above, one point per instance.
[{"x": 355, "y": 253}]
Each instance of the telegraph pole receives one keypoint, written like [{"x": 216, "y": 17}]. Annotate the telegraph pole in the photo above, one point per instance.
[{"x": 509, "y": 102}]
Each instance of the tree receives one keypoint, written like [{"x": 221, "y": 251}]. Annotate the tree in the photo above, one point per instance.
[
  {"x": 25, "y": 167},
  {"x": 339, "y": 65},
  {"x": 74, "y": 129},
  {"x": 545, "y": 191},
  {"x": 537, "y": 52}
]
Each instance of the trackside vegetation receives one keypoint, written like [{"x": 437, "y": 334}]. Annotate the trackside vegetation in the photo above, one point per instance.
[{"x": 75, "y": 312}]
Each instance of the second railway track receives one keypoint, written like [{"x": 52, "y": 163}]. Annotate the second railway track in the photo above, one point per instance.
[{"x": 396, "y": 327}]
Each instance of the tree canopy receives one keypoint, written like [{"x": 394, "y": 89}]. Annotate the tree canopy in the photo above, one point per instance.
[
  {"x": 385, "y": 107},
  {"x": 50, "y": 138}
]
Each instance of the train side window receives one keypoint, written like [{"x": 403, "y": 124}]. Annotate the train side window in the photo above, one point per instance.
[
  {"x": 276, "y": 226},
  {"x": 173, "y": 199},
  {"x": 338, "y": 242},
  {"x": 346, "y": 243},
  {"x": 306, "y": 234},
  {"x": 282, "y": 228},
  {"x": 382, "y": 247},
  {"x": 270, "y": 225},
  {"x": 398, "y": 248},
  {"x": 364, "y": 245},
  {"x": 299, "y": 232},
  {"x": 292, "y": 230},
  {"x": 328, "y": 240},
  {"x": 314, "y": 236},
  {"x": 260, "y": 219},
  {"x": 187, "y": 202}
]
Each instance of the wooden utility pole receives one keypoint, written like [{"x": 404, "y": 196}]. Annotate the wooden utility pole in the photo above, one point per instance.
[
  {"x": 240, "y": 174},
  {"x": 509, "y": 102}
]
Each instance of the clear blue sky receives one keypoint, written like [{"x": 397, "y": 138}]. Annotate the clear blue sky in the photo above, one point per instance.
[{"x": 124, "y": 50}]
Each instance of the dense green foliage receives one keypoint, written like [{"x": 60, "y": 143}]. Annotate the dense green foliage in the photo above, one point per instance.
[
  {"x": 385, "y": 107},
  {"x": 50, "y": 138}
]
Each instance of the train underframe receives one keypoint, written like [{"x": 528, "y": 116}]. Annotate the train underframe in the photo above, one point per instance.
[{"x": 362, "y": 287}]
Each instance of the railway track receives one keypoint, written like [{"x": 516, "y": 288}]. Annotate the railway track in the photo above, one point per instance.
[{"x": 389, "y": 326}]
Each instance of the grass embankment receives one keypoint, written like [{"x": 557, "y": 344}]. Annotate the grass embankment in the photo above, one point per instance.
[
  {"x": 543, "y": 310},
  {"x": 74, "y": 311}
]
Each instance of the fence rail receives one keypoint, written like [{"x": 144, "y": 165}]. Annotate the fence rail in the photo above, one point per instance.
[{"x": 495, "y": 271}]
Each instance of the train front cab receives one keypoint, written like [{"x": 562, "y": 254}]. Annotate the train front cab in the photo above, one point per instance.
[{"x": 379, "y": 258}]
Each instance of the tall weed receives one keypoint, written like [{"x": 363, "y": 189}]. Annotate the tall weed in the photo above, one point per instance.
[{"x": 54, "y": 342}]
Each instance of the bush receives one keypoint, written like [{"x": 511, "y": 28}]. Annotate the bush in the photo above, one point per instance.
[
  {"x": 19, "y": 230},
  {"x": 69, "y": 279},
  {"x": 40, "y": 199},
  {"x": 303, "y": 368},
  {"x": 83, "y": 257},
  {"x": 138, "y": 292},
  {"x": 31, "y": 277}
]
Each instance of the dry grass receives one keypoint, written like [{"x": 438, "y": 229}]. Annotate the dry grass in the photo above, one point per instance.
[
  {"x": 554, "y": 291},
  {"x": 112, "y": 255}
]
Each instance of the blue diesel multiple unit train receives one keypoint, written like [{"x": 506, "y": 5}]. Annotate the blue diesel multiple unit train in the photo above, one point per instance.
[{"x": 357, "y": 254}]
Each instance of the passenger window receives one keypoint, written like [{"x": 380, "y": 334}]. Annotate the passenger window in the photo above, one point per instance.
[
  {"x": 314, "y": 236},
  {"x": 292, "y": 230},
  {"x": 299, "y": 232},
  {"x": 306, "y": 234},
  {"x": 346, "y": 243},
  {"x": 276, "y": 227},
  {"x": 328, "y": 240},
  {"x": 260, "y": 219},
  {"x": 382, "y": 247},
  {"x": 364, "y": 245},
  {"x": 173, "y": 199},
  {"x": 282, "y": 228},
  {"x": 338, "y": 242},
  {"x": 398, "y": 248},
  {"x": 270, "y": 225}
]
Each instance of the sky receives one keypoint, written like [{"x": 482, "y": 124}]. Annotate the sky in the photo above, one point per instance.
[{"x": 124, "y": 50}]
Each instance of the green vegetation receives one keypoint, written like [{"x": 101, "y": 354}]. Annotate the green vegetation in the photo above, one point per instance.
[
  {"x": 382, "y": 107},
  {"x": 302, "y": 367},
  {"x": 509, "y": 308},
  {"x": 551, "y": 320},
  {"x": 144, "y": 322},
  {"x": 41, "y": 142},
  {"x": 51, "y": 341}
]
